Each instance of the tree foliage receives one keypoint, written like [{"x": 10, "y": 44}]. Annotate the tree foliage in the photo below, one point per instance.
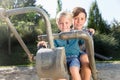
[
  {"x": 24, "y": 17},
  {"x": 115, "y": 30},
  {"x": 106, "y": 39},
  {"x": 96, "y": 21},
  {"x": 7, "y": 4},
  {"x": 59, "y": 6}
]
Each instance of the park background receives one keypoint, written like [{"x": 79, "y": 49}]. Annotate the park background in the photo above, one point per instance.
[{"x": 30, "y": 25}]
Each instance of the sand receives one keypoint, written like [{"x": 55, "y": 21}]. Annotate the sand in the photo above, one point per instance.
[{"x": 106, "y": 71}]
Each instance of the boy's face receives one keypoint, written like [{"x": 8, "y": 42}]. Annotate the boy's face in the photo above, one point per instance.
[
  {"x": 79, "y": 21},
  {"x": 64, "y": 24}
]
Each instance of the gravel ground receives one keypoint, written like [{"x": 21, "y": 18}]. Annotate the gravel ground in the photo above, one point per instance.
[
  {"x": 106, "y": 71},
  {"x": 109, "y": 71}
]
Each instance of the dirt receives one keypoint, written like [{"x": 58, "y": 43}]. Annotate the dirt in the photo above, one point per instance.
[
  {"x": 106, "y": 71},
  {"x": 109, "y": 71}
]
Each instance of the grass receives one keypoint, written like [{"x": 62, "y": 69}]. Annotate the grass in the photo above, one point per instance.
[{"x": 17, "y": 56}]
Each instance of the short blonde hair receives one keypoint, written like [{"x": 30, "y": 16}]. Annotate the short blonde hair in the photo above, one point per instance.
[{"x": 64, "y": 14}]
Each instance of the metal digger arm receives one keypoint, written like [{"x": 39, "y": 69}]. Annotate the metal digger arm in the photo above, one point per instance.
[{"x": 4, "y": 14}]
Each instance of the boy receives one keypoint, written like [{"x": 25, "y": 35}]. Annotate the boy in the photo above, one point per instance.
[
  {"x": 64, "y": 21},
  {"x": 79, "y": 19}
]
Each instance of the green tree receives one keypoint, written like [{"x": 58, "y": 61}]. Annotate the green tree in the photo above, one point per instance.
[
  {"x": 115, "y": 30},
  {"x": 96, "y": 21},
  {"x": 24, "y": 17},
  {"x": 29, "y": 3},
  {"x": 24, "y": 3},
  {"x": 7, "y": 4},
  {"x": 54, "y": 26},
  {"x": 59, "y": 6},
  {"x": 115, "y": 25}
]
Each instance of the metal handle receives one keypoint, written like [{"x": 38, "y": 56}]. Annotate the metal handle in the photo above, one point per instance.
[{"x": 88, "y": 43}]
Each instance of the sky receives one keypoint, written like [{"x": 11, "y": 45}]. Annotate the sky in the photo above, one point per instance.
[{"x": 110, "y": 9}]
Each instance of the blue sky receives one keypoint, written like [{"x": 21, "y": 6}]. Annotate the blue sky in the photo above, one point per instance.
[{"x": 110, "y": 9}]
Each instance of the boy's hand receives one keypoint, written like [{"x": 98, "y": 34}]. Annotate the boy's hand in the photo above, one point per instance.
[
  {"x": 42, "y": 44},
  {"x": 91, "y": 30}
]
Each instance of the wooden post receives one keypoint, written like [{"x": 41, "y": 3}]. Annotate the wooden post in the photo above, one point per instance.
[{"x": 9, "y": 41}]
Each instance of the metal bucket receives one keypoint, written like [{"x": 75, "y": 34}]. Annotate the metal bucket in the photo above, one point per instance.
[{"x": 51, "y": 63}]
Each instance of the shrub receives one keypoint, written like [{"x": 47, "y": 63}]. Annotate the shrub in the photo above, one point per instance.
[{"x": 106, "y": 45}]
